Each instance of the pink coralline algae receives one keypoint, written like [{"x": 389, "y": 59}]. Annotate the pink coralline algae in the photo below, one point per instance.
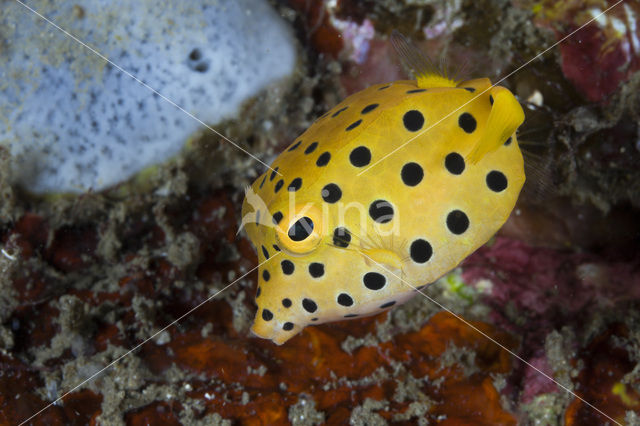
[
  {"x": 548, "y": 286},
  {"x": 603, "y": 54},
  {"x": 536, "y": 291}
]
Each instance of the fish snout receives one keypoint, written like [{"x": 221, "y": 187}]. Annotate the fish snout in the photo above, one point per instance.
[{"x": 272, "y": 329}]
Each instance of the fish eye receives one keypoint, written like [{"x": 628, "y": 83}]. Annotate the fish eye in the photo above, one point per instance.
[{"x": 301, "y": 229}]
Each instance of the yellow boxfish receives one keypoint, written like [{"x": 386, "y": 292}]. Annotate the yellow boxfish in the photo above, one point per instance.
[{"x": 385, "y": 193}]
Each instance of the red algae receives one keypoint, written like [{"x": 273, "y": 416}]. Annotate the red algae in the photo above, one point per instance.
[
  {"x": 323, "y": 37},
  {"x": 529, "y": 280},
  {"x": 29, "y": 235},
  {"x": 18, "y": 401},
  {"x": 538, "y": 290},
  {"x": 600, "y": 381},
  {"x": 313, "y": 363},
  {"x": 602, "y": 55},
  {"x": 73, "y": 249},
  {"x": 156, "y": 413}
]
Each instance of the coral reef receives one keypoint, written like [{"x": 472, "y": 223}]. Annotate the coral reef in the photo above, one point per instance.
[{"x": 83, "y": 280}]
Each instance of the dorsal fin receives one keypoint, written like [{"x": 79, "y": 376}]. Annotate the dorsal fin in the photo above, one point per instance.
[
  {"x": 505, "y": 117},
  {"x": 426, "y": 73}
]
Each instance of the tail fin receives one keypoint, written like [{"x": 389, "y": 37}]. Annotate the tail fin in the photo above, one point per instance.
[{"x": 505, "y": 117}]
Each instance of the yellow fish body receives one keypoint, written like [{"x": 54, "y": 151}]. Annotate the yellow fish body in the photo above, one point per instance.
[{"x": 345, "y": 241}]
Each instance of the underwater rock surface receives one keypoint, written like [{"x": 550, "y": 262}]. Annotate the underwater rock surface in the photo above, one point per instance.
[{"x": 74, "y": 122}]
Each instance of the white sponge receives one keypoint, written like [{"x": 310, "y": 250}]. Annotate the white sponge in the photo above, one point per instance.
[{"x": 73, "y": 122}]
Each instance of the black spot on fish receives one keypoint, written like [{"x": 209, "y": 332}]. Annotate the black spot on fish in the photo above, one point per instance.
[
  {"x": 311, "y": 148},
  {"x": 341, "y": 237},
  {"x": 496, "y": 181},
  {"x": 316, "y": 270},
  {"x": 294, "y": 146},
  {"x": 295, "y": 185},
  {"x": 309, "y": 305},
  {"x": 353, "y": 125},
  {"x": 374, "y": 280},
  {"x": 457, "y": 222},
  {"x": 411, "y": 174},
  {"x": 277, "y": 217},
  {"x": 420, "y": 251},
  {"x": 273, "y": 173},
  {"x": 335, "y": 114},
  {"x": 287, "y": 267},
  {"x": 323, "y": 159},
  {"x": 331, "y": 193},
  {"x": 467, "y": 122},
  {"x": 369, "y": 108},
  {"x": 454, "y": 163},
  {"x": 413, "y": 120},
  {"x": 360, "y": 156},
  {"x": 287, "y": 326},
  {"x": 381, "y": 211},
  {"x": 344, "y": 299}
]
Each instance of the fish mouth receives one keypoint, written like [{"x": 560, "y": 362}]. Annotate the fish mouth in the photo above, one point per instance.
[{"x": 272, "y": 330}]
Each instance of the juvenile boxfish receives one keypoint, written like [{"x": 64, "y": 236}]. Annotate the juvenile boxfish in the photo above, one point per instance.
[{"x": 347, "y": 236}]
